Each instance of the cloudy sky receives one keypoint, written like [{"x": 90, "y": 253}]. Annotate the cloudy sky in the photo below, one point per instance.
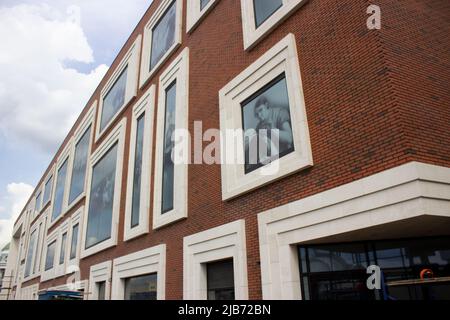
[{"x": 53, "y": 54}]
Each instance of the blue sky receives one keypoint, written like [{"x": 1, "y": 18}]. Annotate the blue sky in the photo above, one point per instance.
[{"x": 52, "y": 56}]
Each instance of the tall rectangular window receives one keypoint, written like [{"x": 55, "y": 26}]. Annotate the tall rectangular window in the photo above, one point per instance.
[
  {"x": 30, "y": 254},
  {"x": 163, "y": 35},
  {"x": 114, "y": 99},
  {"x": 59, "y": 191},
  {"x": 38, "y": 202},
  {"x": 168, "y": 165},
  {"x": 137, "y": 180},
  {"x": 220, "y": 279},
  {"x": 48, "y": 190},
  {"x": 264, "y": 9},
  {"x": 101, "y": 199},
  {"x": 62, "y": 252},
  {"x": 141, "y": 287},
  {"x": 37, "y": 258},
  {"x": 79, "y": 166},
  {"x": 101, "y": 289},
  {"x": 50, "y": 259},
  {"x": 74, "y": 242}
]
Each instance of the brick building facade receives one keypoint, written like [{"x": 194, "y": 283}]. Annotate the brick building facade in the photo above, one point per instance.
[{"x": 370, "y": 114}]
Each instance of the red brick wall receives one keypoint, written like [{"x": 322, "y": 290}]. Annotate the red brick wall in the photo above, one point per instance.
[{"x": 374, "y": 100}]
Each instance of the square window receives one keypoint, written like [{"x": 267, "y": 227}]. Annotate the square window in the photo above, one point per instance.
[
  {"x": 265, "y": 104},
  {"x": 197, "y": 11},
  {"x": 162, "y": 36},
  {"x": 170, "y": 195},
  {"x": 259, "y": 17},
  {"x": 139, "y": 167},
  {"x": 220, "y": 279},
  {"x": 266, "y": 115},
  {"x": 141, "y": 287}
]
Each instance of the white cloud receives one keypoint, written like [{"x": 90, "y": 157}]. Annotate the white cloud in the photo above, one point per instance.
[
  {"x": 40, "y": 99},
  {"x": 16, "y": 197}
]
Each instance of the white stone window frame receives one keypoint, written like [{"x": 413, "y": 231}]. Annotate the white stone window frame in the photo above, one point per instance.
[
  {"x": 116, "y": 135},
  {"x": 148, "y": 261},
  {"x": 87, "y": 121},
  {"x": 66, "y": 155},
  {"x": 195, "y": 14},
  {"x": 50, "y": 274},
  {"x": 130, "y": 60},
  {"x": 146, "y": 73},
  {"x": 60, "y": 269},
  {"x": 146, "y": 105},
  {"x": 252, "y": 34},
  {"x": 76, "y": 218},
  {"x": 40, "y": 244},
  {"x": 32, "y": 275},
  {"x": 100, "y": 273},
  {"x": 401, "y": 193},
  {"x": 223, "y": 242},
  {"x": 282, "y": 58},
  {"x": 178, "y": 70},
  {"x": 49, "y": 176}
]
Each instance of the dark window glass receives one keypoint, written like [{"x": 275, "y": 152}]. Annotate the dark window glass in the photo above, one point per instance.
[
  {"x": 203, "y": 4},
  {"x": 267, "y": 125},
  {"x": 168, "y": 165},
  {"x": 141, "y": 288},
  {"x": 38, "y": 202},
  {"x": 62, "y": 252},
  {"x": 163, "y": 35},
  {"x": 74, "y": 242},
  {"x": 48, "y": 190},
  {"x": 50, "y": 259},
  {"x": 79, "y": 166},
  {"x": 101, "y": 287},
  {"x": 30, "y": 254},
  {"x": 135, "y": 208},
  {"x": 220, "y": 278},
  {"x": 114, "y": 99},
  {"x": 59, "y": 191},
  {"x": 264, "y": 9},
  {"x": 339, "y": 271},
  {"x": 101, "y": 199}
]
